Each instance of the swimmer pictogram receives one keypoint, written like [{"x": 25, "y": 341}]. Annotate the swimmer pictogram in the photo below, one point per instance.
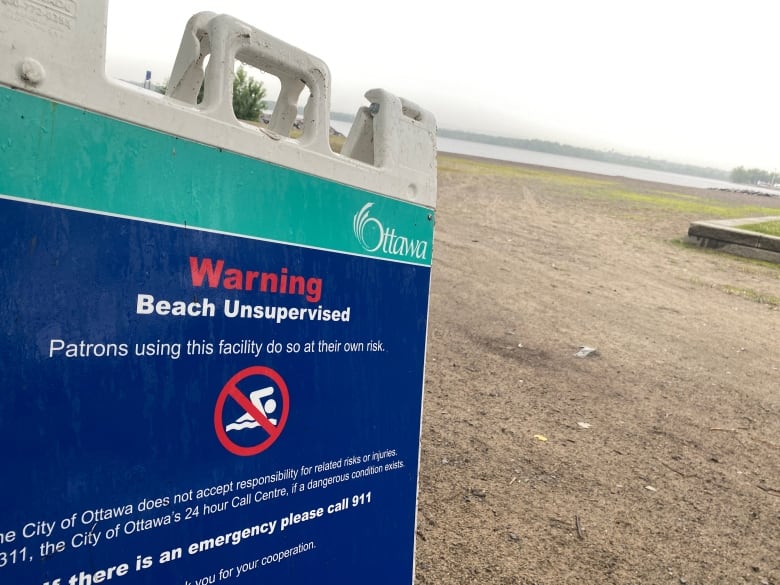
[
  {"x": 265, "y": 411},
  {"x": 247, "y": 420}
]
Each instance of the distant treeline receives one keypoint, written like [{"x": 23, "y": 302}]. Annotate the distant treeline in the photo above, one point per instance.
[
  {"x": 590, "y": 153},
  {"x": 737, "y": 175},
  {"x": 754, "y": 176}
]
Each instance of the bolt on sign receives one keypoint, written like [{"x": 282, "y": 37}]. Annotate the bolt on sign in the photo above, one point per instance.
[{"x": 213, "y": 333}]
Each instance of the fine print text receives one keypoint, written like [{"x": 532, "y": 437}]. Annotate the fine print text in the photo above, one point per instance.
[{"x": 89, "y": 528}]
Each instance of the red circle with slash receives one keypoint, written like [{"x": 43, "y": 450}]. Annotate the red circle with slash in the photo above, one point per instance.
[{"x": 231, "y": 390}]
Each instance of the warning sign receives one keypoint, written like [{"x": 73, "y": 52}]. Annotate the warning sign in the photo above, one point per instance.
[
  {"x": 262, "y": 396},
  {"x": 231, "y": 331}
]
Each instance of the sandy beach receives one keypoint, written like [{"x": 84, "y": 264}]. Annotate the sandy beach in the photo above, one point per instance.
[{"x": 653, "y": 459}]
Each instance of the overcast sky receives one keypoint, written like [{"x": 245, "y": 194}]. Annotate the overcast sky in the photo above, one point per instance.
[{"x": 687, "y": 80}]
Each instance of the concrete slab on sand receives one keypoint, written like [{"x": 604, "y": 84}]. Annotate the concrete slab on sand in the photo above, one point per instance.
[{"x": 726, "y": 235}]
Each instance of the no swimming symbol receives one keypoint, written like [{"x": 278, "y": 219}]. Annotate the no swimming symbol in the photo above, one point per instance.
[{"x": 262, "y": 395}]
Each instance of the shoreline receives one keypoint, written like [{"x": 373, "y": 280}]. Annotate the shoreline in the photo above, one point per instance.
[{"x": 728, "y": 188}]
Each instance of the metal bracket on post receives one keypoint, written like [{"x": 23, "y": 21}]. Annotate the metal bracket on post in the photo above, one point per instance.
[
  {"x": 228, "y": 39},
  {"x": 187, "y": 75},
  {"x": 384, "y": 130},
  {"x": 391, "y": 148}
]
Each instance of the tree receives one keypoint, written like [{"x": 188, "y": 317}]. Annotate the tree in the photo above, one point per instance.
[
  {"x": 752, "y": 176},
  {"x": 248, "y": 94}
]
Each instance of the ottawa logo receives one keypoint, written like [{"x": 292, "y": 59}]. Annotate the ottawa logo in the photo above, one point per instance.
[{"x": 374, "y": 236}]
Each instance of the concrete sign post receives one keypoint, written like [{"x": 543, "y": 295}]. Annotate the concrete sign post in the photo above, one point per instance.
[{"x": 213, "y": 336}]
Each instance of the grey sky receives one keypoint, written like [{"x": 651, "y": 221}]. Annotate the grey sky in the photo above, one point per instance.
[{"x": 685, "y": 80}]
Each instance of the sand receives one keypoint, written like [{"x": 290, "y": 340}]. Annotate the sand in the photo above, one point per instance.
[{"x": 656, "y": 458}]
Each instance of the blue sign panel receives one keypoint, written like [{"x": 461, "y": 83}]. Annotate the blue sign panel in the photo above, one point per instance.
[{"x": 182, "y": 406}]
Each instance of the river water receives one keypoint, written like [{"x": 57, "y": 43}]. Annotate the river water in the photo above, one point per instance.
[
  {"x": 571, "y": 163},
  {"x": 544, "y": 159}
]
